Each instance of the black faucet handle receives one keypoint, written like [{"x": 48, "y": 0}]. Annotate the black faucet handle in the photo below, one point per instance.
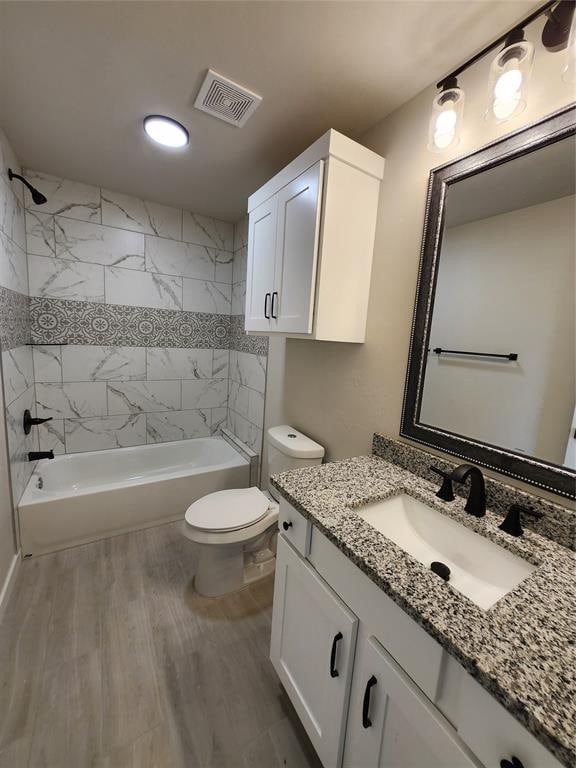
[
  {"x": 30, "y": 421},
  {"x": 445, "y": 492},
  {"x": 512, "y": 523}
]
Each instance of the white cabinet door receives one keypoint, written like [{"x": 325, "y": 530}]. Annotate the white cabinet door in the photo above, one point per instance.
[
  {"x": 312, "y": 649},
  {"x": 299, "y": 205},
  {"x": 392, "y": 724},
  {"x": 260, "y": 267}
]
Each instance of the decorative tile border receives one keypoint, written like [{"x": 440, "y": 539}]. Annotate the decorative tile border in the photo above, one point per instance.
[
  {"x": 557, "y": 524},
  {"x": 14, "y": 319},
  {"x": 59, "y": 321},
  {"x": 240, "y": 341}
]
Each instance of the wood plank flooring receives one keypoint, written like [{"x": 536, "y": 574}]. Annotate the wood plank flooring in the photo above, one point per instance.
[{"x": 109, "y": 659}]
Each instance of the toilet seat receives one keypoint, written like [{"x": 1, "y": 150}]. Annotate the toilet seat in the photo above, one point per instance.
[{"x": 230, "y": 510}]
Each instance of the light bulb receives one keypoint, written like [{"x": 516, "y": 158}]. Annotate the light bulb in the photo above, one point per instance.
[
  {"x": 446, "y": 121},
  {"x": 508, "y": 84},
  {"x": 443, "y": 139}
]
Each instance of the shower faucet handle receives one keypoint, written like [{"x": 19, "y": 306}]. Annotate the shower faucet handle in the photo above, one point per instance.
[{"x": 30, "y": 421}]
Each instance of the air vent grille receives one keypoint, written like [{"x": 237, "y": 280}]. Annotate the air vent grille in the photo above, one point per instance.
[{"x": 226, "y": 100}]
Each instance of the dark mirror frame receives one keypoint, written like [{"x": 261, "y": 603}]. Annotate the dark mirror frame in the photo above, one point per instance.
[{"x": 552, "y": 477}]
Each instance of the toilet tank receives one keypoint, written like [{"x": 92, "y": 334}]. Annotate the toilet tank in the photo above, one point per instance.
[{"x": 290, "y": 449}]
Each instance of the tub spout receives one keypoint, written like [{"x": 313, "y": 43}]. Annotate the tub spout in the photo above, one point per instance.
[{"x": 35, "y": 455}]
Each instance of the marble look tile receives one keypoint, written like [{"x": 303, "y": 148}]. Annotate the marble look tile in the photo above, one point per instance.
[
  {"x": 71, "y": 400},
  {"x": 238, "y": 298},
  {"x": 97, "y": 244},
  {"x": 108, "y": 363},
  {"x": 54, "y": 278},
  {"x": 47, "y": 363},
  {"x": 204, "y": 230},
  {"x": 241, "y": 233},
  {"x": 40, "y": 233},
  {"x": 224, "y": 266},
  {"x": 240, "y": 265},
  {"x": 220, "y": 363},
  {"x": 206, "y": 296},
  {"x": 143, "y": 289},
  {"x": 256, "y": 408},
  {"x": 219, "y": 419},
  {"x": 138, "y": 215},
  {"x": 66, "y": 198},
  {"x": 18, "y": 372},
  {"x": 13, "y": 269},
  {"x": 143, "y": 396},
  {"x": 178, "y": 425},
  {"x": 102, "y": 433},
  {"x": 19, "y": 444},
  {"x": 12, "y": 222},
  {"x": 51, "y": 436},
  {"x": 247, "y": 403},
  {"x": 171, "y": 363},
  {"x": 245, "y": 431},
  {"x": 170, "y": 257},
  {"x": 249, "y": 370},
  {"x": 211, "y": 393}
]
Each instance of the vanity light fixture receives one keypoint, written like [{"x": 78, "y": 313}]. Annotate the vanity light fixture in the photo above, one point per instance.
[
  {"x": 166, "y": 131},
  {"x": 509, "y": 75},
  {"x": 446, "y": 119}
]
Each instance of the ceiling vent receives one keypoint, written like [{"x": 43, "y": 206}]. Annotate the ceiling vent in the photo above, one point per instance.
[{"x": 226, "y": 100}]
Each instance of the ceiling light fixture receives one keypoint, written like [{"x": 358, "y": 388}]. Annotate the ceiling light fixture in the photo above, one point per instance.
[
  {"x": 509, "y": 74},
  {"x": 446, "y": 119},
  {"x": 166, "y": 131}
]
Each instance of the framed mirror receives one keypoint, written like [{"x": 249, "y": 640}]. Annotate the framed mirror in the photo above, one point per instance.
[{"x": 491, "y": 368}]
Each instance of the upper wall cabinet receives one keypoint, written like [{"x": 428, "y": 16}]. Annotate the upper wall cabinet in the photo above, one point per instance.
[{"x": 310, "y": 243}]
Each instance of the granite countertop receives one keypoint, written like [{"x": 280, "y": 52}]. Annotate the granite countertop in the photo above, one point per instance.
[{"x": 522, "y": 649}]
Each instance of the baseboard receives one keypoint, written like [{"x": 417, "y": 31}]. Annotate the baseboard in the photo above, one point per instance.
[{"x": 9, "y": 583}]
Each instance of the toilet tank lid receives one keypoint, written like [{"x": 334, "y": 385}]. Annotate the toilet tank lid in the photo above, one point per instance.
[{"x": 294, "y": 443}]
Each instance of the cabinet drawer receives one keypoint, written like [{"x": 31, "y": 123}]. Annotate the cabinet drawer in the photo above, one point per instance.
[
  {"x": 294, "y": 527},
  {"x": 493, "y": 734}
]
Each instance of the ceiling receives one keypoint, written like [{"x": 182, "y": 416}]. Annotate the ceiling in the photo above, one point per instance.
[{"x": 76, "y": 79}]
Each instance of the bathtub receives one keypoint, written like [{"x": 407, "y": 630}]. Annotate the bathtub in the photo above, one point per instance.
[{"x": 82, "y": 497}]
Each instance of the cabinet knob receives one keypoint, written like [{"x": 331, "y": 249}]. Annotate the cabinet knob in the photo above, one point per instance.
[
  {"x": 513, "y": 763},
  {"x": 286, "y": 525}
]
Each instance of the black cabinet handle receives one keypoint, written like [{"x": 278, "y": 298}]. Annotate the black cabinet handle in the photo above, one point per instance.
[
  {"x": 286, "y": 525},
  {"x": 274, "y": 297},
  {"x": 333, "y": 671},
  {"x": 514, "y": 763},
  {"x": 366, "y": 722},
  {"x": 266, "y": 314}
]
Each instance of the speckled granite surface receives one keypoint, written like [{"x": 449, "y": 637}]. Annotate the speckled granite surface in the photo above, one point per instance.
[
  {"x": 522, "y": 650},
  {"x": 558, "y": 522}
]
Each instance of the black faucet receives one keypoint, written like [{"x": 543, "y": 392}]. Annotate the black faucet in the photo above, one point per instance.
[
  {"x": 476, "y": 503},
  {"x": 512, "y": 523},
  {"x": 35, "y": 455},
  {"x": 445, "y": 491}
]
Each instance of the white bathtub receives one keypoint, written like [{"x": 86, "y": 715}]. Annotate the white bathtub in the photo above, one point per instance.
[{"x": 89, "y": 496}]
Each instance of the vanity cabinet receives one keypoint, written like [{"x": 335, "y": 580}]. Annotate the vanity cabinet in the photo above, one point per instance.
[
  {"x": 312, "y": 649},
  {"x": 310, "y": 243},
  {"x": 398, "y": 699}
]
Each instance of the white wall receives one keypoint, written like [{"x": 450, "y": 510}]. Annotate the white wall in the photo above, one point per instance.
[
  {"x": 506, "y": 284},
  {"x": 340, "y": 394}
]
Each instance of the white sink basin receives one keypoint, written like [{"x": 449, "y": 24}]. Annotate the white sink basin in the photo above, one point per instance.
[{"x": 479, "y": 568}]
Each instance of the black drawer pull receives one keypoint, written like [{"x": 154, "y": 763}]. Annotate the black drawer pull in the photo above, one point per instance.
[
  {"x": 333, "y": 671},
  {"x": 286, "y": 525},
  {"x": 274, "y": 297},
  {"x": 514, "y": 763},
  {"x": 266, "y": 313},
  {"x": 366, "y": 722}
]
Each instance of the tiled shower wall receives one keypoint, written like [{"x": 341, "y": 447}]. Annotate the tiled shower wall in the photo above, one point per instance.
[{"x": 17, "y": 368}]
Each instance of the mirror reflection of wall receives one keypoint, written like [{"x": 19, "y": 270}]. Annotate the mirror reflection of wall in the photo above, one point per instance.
[{"x": 506, "y": 284}]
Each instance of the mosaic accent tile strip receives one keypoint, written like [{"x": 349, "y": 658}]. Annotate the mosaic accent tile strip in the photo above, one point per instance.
[
  {"x": 59, "y": 321},
  {"x": 558, "y": 523},
  {"x": 241, "y": 342},
  {"x": 14, "y": 319}
]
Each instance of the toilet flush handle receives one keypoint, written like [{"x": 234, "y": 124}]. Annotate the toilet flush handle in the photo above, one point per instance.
[{"x": 286, "y": 525}]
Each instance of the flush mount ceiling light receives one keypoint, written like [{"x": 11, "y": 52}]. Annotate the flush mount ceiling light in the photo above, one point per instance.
[{"x": 166, "y": 131}]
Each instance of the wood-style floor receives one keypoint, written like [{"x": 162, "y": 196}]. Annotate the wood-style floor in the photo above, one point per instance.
[{"x": 109, "y": 659}]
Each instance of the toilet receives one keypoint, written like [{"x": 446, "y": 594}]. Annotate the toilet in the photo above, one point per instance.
[{"x": 235, "y": 530}]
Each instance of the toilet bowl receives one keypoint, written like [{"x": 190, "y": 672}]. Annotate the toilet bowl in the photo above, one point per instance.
[{"x": 235, "y": 530}]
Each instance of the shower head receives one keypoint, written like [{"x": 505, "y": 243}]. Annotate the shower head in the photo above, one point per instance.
[{"x": 37, "y": 197}]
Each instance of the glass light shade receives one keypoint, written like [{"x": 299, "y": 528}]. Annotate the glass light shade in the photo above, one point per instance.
[
  {"x": 509, "y": 76},
  {"x": 166, "y": 131},
  {"x": 569, "y": 74},
  {"x": 446, "y": 119}
]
